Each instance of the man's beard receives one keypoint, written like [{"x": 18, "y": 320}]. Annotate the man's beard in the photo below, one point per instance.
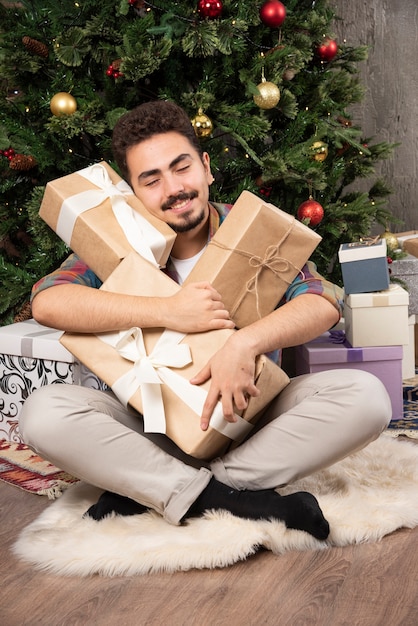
[{"x": 188, "y": 221}]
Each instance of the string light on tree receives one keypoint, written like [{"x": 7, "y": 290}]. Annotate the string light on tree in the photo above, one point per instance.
[
  {"x": 273, "y": 13},
  {"x": 310, "y": 212},
  {"x": 327, "y": 50},
  {"x": 202, "y": 124},
  {"x": 63, "y": 103},
  {"x": 210, "y": 9}
]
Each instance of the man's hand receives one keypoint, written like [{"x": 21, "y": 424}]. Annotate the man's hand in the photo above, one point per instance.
[
  {"x": 231, "y": 371},
  {"x": 197, "y": 307}
]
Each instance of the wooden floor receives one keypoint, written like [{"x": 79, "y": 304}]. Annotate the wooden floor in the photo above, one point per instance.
[{"x": 371, "y": 584}]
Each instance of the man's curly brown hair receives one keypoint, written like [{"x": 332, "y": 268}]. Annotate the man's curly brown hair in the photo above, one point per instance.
[{"x": 146, "y": 120}]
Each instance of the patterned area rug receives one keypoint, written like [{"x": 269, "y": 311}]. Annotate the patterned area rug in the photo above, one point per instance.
[
  {"x": 21, "y": 467},
  {"x": 408, "y": 426}
]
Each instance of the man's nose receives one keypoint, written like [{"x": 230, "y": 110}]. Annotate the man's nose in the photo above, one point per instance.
[{"x": 173, "y": 185}]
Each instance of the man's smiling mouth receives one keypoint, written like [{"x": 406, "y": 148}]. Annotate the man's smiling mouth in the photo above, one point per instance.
[{"x": 177, "y": 204}]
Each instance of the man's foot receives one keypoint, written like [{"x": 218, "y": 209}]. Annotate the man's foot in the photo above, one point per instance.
[
  {"x": 300, "y": 510},
  {"x": 113, "y": 503}
]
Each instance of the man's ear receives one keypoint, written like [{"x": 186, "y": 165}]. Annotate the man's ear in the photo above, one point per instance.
[{"x": 206, "y": 165}]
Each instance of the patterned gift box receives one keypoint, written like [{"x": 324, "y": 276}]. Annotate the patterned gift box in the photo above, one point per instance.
[
  {"x": 377, "y": 319},
  {"x": 364, "y": 266},
  {"x": 406, "y": 270},
  {"x": 332, "y": 351},
  {"x": 31, "y": 356}
]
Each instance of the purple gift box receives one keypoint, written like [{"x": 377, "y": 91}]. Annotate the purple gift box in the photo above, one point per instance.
[{"x": 332, "y": 351}]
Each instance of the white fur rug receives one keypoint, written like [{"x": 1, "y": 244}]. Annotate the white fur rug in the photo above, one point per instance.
[{"x": 364, "y": 497}]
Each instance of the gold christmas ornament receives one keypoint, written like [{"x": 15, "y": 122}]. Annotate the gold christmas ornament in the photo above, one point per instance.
[
  {"x": 202, "y": 124},
  {"x": 319, "y": 151},
  {"x": 269, "y": 95},
  {"x": 63, "y": 103},
  {"x": 392, "y": 242}
]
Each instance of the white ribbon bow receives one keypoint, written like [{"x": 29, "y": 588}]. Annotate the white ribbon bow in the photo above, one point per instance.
[
  {"x": 149, "y": 372},
  {"x": 141, "y": 235}
]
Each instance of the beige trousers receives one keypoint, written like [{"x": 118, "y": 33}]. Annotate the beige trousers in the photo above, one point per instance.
[{"x": 317, "y": 420}]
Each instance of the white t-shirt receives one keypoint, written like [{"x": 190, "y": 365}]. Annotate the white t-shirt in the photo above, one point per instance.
[{"x": 185, "y": 266}]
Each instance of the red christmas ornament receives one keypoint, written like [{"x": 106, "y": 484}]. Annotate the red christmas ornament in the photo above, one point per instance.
[
  {"x": 311, "y": 212},
  {"x": 273, "y": 13},
  {"x": 210, "y": 9},
  {"x": 327, "y": 50}
]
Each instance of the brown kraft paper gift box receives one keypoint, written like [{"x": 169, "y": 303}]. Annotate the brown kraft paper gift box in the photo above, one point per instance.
[
  {"x": 81, "y": 208},
  {"x": 136, "y": 276},
  {"x": 253, "y": 257}
]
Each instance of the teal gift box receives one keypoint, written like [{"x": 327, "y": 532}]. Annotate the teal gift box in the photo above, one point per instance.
[{"x": 364, "y": 266}]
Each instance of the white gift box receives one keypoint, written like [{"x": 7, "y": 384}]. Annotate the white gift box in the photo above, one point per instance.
[
  {"x": 32, "y": 356},
  {"x": 377, "y": 319}
]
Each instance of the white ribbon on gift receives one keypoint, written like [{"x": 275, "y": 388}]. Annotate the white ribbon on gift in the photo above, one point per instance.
[
  {"x": 141, "y": 235},
  {"x": 149, "y": 372}
]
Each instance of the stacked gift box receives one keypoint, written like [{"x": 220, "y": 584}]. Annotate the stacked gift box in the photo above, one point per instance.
[
  {"x": 262, "y": 245},
  {"x": 378, "y": 332},
  {"x": 171, "y": 358},
  {"x": 31, "y": 356},
  {"x": 333, "y": 351},
  {"x": 258, "y": 242}
]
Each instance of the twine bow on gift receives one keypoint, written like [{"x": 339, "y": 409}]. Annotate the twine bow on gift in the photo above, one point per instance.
[
  {"x": 271, "y": 261},
  {"x": 150, "y": 372},
  {"x": 365, "y": 241},
  {"x": 141, "y": 235}
]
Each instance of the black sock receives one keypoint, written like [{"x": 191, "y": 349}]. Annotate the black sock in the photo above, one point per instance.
[
  {"x": 298, "y": 510},
  {"x": 113, "y": 503}
]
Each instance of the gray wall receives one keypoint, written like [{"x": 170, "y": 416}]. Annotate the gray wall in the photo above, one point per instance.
[{"x": 389, "y": 110}]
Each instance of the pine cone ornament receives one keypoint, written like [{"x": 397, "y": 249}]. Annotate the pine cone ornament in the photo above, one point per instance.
[
  {"x": 35, "y": 46},
  {"x": 24, "y": 314},
  {"x": 22, "y": 162}
]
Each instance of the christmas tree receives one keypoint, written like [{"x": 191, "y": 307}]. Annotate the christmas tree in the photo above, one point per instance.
[{"x": 266, "y": 84}]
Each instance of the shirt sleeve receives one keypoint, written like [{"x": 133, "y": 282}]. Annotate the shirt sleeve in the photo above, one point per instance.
[
  {"x": 72, "y": 271},
  {"x": 310, "y": 281}
]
